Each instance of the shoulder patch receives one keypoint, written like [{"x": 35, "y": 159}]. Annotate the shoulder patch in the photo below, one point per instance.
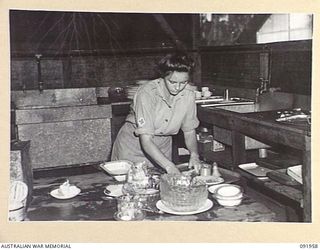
[{"x": 141, "y": 122}]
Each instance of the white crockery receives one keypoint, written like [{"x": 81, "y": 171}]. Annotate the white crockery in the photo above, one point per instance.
[
  {"x": 228, "y": 191},
  {"x": 206, "y": 94},
  {"x": 114, "y": 190},
  {"x": 162, "y": 207},
  {"x": 204, "y": 89},
  {"x": 116, "y": 167},
  {"x": 213, "y": 188},
  {"x": 73, "y": 191},
  {"x": 229, "y": 202},
  {"x": 120, "y": 177},
  {"x": 238, "y": 196},
  {"x": 227, "y": 195}
]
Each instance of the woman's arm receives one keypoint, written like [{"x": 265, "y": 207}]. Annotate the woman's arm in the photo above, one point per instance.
[
  {"x": 192, "y": 146},
  {"x": 153, "y": 151}
]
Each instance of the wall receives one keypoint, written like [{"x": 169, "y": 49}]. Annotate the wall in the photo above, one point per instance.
[
  {"x": 291, "y": 66},
  {"x": 287, "y": 65},
  {"x": 82, "y": 49},
  {"x": 83, "y": 71},
  {"x": 228, "y": 66}
]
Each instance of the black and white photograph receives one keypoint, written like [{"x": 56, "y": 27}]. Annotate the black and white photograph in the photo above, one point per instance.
[{"x": 130, "y": 117}]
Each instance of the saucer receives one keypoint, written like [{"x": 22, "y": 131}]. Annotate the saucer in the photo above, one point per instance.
[
  {"x": 210, "y": 180},
  {"x": 208, "y": 204},
  {"x": 73, "y": 191},
  {"x": 148, "y": 191},
  {"x": 114, "y": 190}
]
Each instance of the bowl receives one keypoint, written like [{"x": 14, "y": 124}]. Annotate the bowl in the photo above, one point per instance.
[
  {"x": 120, "y": 177},
  {"x": 116, "y": 168},
  {"x": 212, "y": 189},
  {"x": 228, "y": 191},
  {"x": 227, "y": 195},
  {"x": 229, "y": 202}
]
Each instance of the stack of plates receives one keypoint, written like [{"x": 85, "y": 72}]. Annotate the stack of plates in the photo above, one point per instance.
[{"x": 131, "y": 91}]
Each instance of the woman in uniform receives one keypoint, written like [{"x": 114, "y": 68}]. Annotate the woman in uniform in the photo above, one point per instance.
[{"x": 160, "y": 109}]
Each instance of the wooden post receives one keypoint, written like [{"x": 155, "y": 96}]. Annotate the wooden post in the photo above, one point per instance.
[
  {"x": 238, "y": 148},
  {"x": 306, "y": 176},
  {"x": 196, "y": 77}
]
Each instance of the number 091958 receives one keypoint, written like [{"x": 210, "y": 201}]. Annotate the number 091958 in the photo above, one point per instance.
[{"x": 308, "y": 245}]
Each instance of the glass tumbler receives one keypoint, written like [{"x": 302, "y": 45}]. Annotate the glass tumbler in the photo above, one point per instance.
[{"x": 129, "y": 208}]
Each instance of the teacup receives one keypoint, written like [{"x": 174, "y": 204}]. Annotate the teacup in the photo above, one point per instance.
[
  {"x": 64, "y": 189},
  {"x": 207, "y": 94}
]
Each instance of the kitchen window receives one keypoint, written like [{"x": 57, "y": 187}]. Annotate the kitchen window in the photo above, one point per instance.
[{"x": 286, "y": 27}]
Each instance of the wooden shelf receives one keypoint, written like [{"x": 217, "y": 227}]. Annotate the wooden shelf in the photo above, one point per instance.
[{"x": 262, "y": 126}]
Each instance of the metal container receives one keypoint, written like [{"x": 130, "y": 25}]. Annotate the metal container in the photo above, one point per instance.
[{"x": 205, "y": 170}]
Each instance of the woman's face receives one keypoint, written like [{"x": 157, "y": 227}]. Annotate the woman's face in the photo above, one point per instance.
[{"x": 176, "y": 82}]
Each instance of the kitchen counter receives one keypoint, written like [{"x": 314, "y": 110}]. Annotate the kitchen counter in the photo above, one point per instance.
[
  {"x": 263, "y": 127},
  {"x": 93, "y": 205}
]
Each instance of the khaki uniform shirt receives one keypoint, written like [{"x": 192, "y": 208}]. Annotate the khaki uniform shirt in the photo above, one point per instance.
[{"x": 152, "y": 114}]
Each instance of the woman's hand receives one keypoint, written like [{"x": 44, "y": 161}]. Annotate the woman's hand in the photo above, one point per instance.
[
  {"x": 195, "y": 162},
  {"x": 153, "y": 151}
]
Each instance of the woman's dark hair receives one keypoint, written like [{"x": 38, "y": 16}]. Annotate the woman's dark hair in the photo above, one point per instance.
[{"x": 179, "y": 62}]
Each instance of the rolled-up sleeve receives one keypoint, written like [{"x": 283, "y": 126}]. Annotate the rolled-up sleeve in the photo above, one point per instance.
[
  {"x": 144, "y": 113},
  {"x": 190, "y": 120}
]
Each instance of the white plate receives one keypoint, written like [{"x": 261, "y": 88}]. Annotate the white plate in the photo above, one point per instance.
[
  {"x": 74, "y": 191},
  {"x": 210, "y": 180},
  {"x": 213, "y": 188},
  {"x": 165, "y": 209},
  {"x": 255, "y": 169},
  {"x": 114, "y": 190}
]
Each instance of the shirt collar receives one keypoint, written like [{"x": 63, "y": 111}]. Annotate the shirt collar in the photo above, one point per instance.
[{"x": 161, "y": 90}]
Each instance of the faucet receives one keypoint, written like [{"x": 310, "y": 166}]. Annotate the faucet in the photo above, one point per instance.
[
  {"x": 40, "y": 82},
  {"x": 263, "y": 88}
]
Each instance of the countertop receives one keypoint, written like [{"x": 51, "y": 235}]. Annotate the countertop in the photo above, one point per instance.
[
  {"x": 263, "y": 127},
  {"x": 93, "y": 205}
]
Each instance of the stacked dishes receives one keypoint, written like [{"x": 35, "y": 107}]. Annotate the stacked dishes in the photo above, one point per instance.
[
  {"x": 227, "y": 195},
  {"x": 131, "y": 91}
]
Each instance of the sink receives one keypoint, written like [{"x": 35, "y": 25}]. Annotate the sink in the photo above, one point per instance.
[
  {"x": 243, "y": 108},
  {"x": 266, "y": 102},
  {"x": 65, "y": 127},
  {"x": 215, "y": 101}
]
